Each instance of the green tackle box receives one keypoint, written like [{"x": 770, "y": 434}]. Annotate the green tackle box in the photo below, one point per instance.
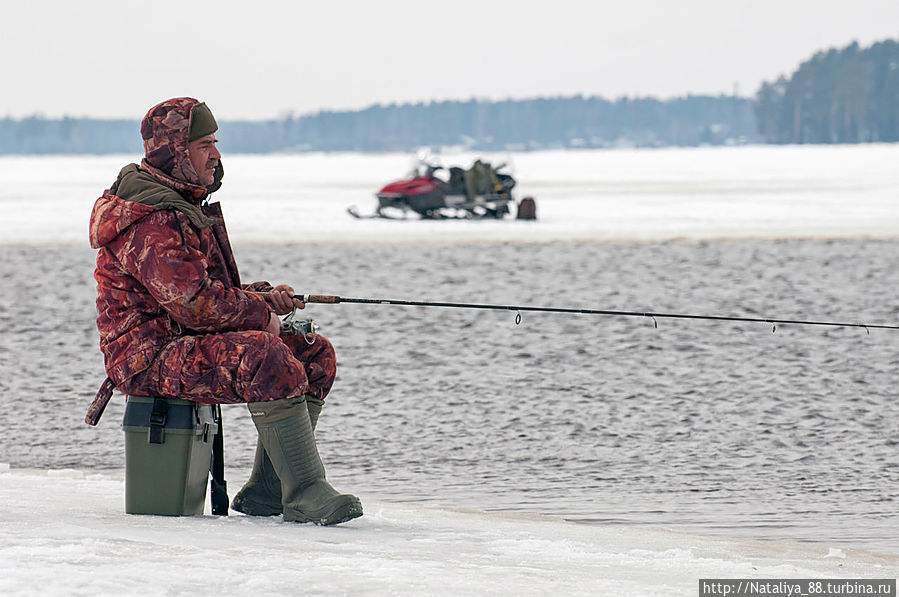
[{"x": 168, "y": 450}]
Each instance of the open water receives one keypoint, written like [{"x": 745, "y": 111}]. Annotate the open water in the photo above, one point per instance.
[{"x": 715, "y": 428}]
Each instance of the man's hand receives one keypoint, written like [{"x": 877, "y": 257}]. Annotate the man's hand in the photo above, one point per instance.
[{"x": 281, "y": 297}]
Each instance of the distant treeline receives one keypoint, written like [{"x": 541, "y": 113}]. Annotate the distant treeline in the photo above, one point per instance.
[
  {"x": 850, "y": 95},
  {"x": 560, "y": 122},
  {"x": 69, "y": 135}
]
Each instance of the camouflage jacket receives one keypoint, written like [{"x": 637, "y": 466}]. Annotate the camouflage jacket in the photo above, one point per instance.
[{"x": 164, "y": 269}]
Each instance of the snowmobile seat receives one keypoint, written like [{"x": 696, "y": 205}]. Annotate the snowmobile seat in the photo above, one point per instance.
[{"x": 457, "y": 180}]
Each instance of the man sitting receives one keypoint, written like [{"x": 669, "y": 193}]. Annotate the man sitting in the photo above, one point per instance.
[{"x": 175, "y": 321}]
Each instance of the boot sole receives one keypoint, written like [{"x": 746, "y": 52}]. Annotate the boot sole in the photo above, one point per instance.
[
  {"x": 347, "y": 510},
  {"x": 254, "y": 508}
]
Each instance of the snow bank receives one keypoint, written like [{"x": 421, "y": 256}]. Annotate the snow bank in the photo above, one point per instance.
[{"x": 65, "y": 532}]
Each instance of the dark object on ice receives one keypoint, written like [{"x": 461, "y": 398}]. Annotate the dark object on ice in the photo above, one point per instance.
[
  {"x": 481, "y": 191},
  {"x": 527, "y": 209},
  {"x": 218, "y": 487}
]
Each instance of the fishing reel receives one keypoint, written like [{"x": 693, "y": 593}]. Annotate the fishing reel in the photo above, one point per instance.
[
  {"x": 295, "y": 328},
  {"x": 299, "y": 327}
]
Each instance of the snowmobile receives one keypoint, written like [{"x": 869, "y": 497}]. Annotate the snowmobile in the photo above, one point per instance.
[{"x": 481, "y": 191}]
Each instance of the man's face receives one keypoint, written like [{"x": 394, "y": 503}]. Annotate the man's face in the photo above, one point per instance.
[{"x": 204, "y": 157}]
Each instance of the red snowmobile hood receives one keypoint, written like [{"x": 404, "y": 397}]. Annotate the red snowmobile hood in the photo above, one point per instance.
[{"x": 411, "y": 186}]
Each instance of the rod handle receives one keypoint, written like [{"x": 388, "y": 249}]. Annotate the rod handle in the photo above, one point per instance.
[
  {"x": 306, "y": 298},
  {"x": 319, "y": 298}
]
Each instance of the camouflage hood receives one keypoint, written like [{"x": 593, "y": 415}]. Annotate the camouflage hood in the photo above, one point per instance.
[{"x": 112, "y": 215}]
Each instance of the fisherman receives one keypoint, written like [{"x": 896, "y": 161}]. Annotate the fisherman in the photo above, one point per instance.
[
  {"x": 480, "y": 180},
  {"x": 175, "y": 321}
]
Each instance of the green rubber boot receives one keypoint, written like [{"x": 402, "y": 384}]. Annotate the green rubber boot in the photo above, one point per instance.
[
  {"x": 285, "y": 431},
  {"x": 261, "y": 494},
  {"x": 315, "y": 409}
]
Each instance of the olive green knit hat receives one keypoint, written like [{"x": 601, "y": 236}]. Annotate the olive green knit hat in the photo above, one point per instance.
[{"x": 202, "y": 122}]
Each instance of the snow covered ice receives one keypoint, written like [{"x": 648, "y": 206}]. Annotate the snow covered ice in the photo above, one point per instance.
[
  {"x": 65, "y": 533},
  {"x": 739, "y": 192}
]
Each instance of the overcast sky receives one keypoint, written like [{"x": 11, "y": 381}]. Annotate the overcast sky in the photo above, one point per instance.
[{"x": 264, "y": 58}]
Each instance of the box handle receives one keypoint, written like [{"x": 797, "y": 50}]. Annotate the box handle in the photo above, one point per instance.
[{"x": 157, "y": 421}]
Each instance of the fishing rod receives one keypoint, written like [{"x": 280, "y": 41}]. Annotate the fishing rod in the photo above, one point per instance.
[{"x": 334, "y": 299}]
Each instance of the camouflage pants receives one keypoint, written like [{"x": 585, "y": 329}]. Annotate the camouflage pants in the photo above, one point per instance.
[{"x": 237, "y": 367}]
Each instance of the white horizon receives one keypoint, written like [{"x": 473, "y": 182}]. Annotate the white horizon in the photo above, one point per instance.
[{"x": 284, "y": 57}]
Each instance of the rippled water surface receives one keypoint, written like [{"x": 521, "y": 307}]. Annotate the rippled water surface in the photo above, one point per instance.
[{"x": 717, "y": 428}]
